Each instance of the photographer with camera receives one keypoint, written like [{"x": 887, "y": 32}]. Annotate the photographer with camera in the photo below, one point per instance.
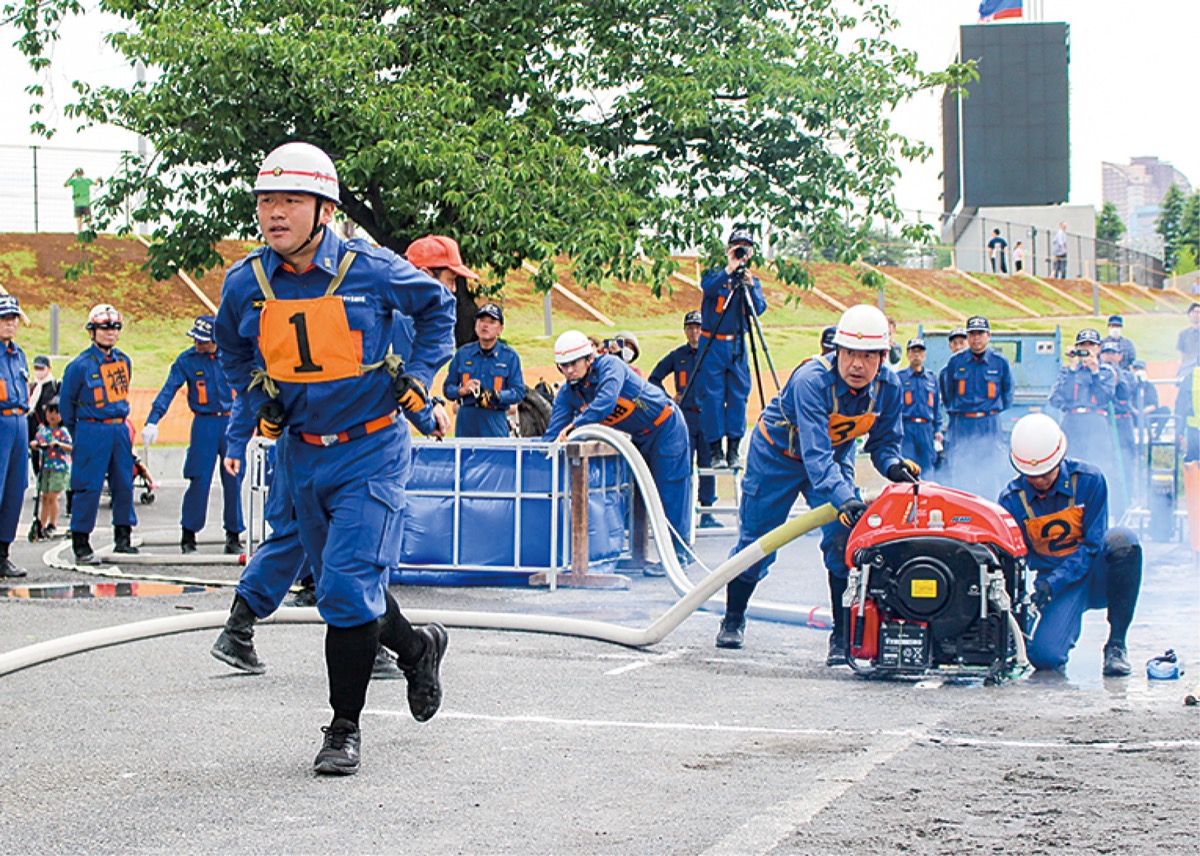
[
  {"x": 723, "y": 372},
  {"x": 1083, "y": 392}
]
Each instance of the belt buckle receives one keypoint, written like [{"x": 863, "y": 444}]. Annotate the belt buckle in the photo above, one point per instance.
[{"x": 329, "y": 439}]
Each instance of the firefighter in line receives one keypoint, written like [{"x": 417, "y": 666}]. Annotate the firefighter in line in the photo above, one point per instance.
[
  {"x": 1061, "y": 505},
  {"x": 94, "y": 405},
  {"x": 601, "y": 389},
  {"x": 922, "y": 408},
  {"x": 979, "y": 387},
  {"x": 1082, "y": 392},
  {"x": 485, "y": 378},
  {"x": 957, "y": 340},
  {"x": 731, "y": 293},
  {"x": 14, "y": 430},
  {"x": 681, "y": 365},
  {"x": 1125, "y": 347},
  {"x": 804, "y": 443},
  {"x": 211, "y": 401},
  {"x": 316, "y": 314}
]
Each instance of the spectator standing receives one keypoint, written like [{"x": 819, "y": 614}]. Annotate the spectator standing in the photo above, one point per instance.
[
  {"x": 998, "y": 252},
  {"x": 1018, "y": 257},
  {"x": 1058, "y": 250},
  {"x": 42, "y": 388},
  {"x": 81, "y": 196},
  {"x": 54, "y": 443},
  {"x": 895, "y": 353}
]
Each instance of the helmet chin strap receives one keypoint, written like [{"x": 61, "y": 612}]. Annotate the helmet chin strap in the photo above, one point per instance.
[{"x": 316, "y": 227}]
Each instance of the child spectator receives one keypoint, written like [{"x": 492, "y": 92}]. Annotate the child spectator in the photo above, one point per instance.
[{"x": 54, "y": 442}]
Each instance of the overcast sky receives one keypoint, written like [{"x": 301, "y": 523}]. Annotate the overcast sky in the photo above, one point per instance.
[{"x": 1132, "y": 75}]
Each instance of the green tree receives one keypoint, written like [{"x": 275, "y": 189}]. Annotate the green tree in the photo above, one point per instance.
[
  {"x": 611, "y": 132},
  {"x": 1189, "y": 237},
  {"x": 1169, "y": 225},
  {"x": 1109, "y": 229}
]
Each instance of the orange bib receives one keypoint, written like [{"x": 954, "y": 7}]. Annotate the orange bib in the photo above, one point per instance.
[
  {"x": 116, "y": 380},
  {"x": 623, "y": 409},
  {"x": 1057, "y": 534},
  {"x": 845, "y": 428}
]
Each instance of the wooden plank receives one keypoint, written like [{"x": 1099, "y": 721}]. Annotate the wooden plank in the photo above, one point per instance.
[
  {"x": 953, "y": 313},
  {"x": 578, "y": 301},
  {"x": 1107, "y": 289},
  {"x": 995, "y": 292},
  {"x": 187, "y": 280},
  {"x": 1070, "y": 297}
]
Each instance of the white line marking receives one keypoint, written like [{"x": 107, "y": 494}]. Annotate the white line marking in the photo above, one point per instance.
[
  {"x": 642, "y": 662},
  {"x": 763, "y": 832}
]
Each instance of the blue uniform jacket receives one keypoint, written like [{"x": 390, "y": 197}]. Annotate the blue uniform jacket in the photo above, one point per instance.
[
  {"x": 1080, "y": 387},
  {"x": 1128, "y": 349},
  {"x": 378, "y": 284},
  {"x": 208, "y": 391},
  {"x": 681, "y": 363},
  {"x": 799, "y": 416},
  {"x": 922, "y": 398},
  {"x": 14, "y": 379},
  {"x": 613, "y": 395},
  {"x": 1123, "y": 393},
  {"x": 83, "y": 394},
  {"x": 1092, "y": 496},
  {"x": 978, "y": 384},
  {"x": 716, "y": 287},
  {"x": 498, "y": 369}
]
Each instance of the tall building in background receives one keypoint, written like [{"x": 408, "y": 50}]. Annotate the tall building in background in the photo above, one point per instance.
[{"x": 1137, "y": 190}]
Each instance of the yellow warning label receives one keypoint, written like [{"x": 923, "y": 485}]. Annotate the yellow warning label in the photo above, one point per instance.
[{"x": 924, "y": 588}]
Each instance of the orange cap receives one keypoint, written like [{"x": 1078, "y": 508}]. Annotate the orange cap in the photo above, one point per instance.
[{"x": 438, "y": 251}]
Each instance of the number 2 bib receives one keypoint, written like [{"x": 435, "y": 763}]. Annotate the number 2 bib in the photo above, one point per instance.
[
  {"x": 1057, "y": 534},
  {"x": 308, "y": 340}
]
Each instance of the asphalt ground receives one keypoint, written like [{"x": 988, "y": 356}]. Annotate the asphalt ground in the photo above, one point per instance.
[{"x": 555, "y": 745}]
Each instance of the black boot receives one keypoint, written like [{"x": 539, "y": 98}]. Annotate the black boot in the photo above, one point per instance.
[
  {"x": 836, "y": 655},
  {"x": 82, "y": 549},
  {"x": 733, "y": 626},
  {"x": 732, "y": 458},
  {"x": 233, "y": 544},
  {"x": 707, "y": 521},
  {"x": 733, "y": 632},
  {"x": 187, "y": 544},
  {"x": 340, "y": 751},
  {"x": 121, "y": 540},
  {"x": 307, "y": 596},
  {"x": 385, "y": 668},
  {"x": 718, "y": 454},
  {"x": 235, "y": 645},
  {"x": 7, "y": 568},
  {"x": 424, "y": 679}
]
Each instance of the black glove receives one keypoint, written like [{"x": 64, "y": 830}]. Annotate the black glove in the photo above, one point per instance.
[
  {"x": 410, "y": 392},
  {"x": 851, "y": 510},
  {"x": 489, "y": 398},
  {"x": 1041, "y": 594},
  {"x": 904, "y": 471},
  {"x": 270, "y": 419}
]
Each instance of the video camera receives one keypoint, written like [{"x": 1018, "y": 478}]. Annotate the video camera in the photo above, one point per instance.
[
  {"x": 741, "y": 253},
  {"x": 609, "y": 344},
  {"x": 1077, "y": 352}
]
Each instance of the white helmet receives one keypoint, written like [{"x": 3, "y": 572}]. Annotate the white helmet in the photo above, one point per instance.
[
  {"x": 1037, "y": 445},
  {"x": 863, "y": 328},
  {"x": 102, "y": 315},
  {"x": 570, "y": 346},
  {"x": 300, "y": 168}
]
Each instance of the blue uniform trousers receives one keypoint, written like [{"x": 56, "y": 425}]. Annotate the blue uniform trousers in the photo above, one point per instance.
[
  {"x": 977, "y": 458},
  {"x": 206, "y": 448},
  {"x": 101, "y": 449},
  {"x": 724, "y": 388},
  {"x": 472, "y": 421},
  {"x": 917, "y": 445},
  {"x": 14, "y": 459},
  {"x": 1107, "y": 582},
  {"x": 708, "y": 484},
  {"x": 667, "y": 453},
  {"x": 769, "y": 490},
  {"x": 349, "y": 503}
]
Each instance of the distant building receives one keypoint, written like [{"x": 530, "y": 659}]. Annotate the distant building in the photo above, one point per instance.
[{"x": 1137, "y": 190}]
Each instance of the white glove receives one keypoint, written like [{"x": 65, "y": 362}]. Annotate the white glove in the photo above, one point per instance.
[{"x": 150, "y": 432}]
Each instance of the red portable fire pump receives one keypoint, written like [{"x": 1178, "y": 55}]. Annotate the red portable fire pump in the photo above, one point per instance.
[{"x": 937, "y": 582}]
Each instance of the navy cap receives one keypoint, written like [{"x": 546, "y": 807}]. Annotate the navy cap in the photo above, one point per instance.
[
  {"x": 1116, "y": 321},
  {"x": 740, "y": 236},
  {"x": 977, "y": 323},
  {"x": 692, "y": 317},
  {"x": 9, "y": 305},
  {"x": 202, "y": 328},
  {"x": 827, "y": 339},
  {"x": 41, "y": 361},
  {"x": 1110, "y": 348},
  {"x": 1087, "y": 336},
  {"x": 490, "y": 310},
  {"x": 915, "y": 343},
  {"x": 1193, "y": 306},
  {"x": 1138, "y": 364},
  {"x": 957, "y": 332}
]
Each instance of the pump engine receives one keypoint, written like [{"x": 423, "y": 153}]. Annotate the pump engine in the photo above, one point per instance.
[{"x": 937, "y": 581}]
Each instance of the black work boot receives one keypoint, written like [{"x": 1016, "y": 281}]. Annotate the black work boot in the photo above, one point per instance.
[
  {"x": 424, "y": 682},
  {"x": 385, "y": 668},
  {"x": 718, "y": 454},
  {"x": 732, "y": 458},
  {"x": 1116, "y": 661},
  {"x": 339, "y": 755},
  {"x": 7, "y": 568},
  {"x": 307, "y": 596},
  {"x": 235, "y": 645},
  {"x": 122, "y": 536},
  {"x": 707, "y": 521},
  {"x": 82, "y": 549},
  {"x": 837, "y": 639},
  {"x": 187, "y": 544},
  {"x": 233, "y": 544},
  {"x": 733, "y": 631}
]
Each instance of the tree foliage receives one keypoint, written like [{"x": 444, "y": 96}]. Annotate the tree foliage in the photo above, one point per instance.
[
  {"x": 1109, "y": 228},
  {"x": 1189, "y": 234},
  {"x": 1169, "y": 225},
  {"x": 614, "y": 132}
]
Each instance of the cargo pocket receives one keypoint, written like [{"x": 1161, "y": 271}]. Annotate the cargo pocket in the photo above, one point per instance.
[{"x": 381, "y": 531}]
